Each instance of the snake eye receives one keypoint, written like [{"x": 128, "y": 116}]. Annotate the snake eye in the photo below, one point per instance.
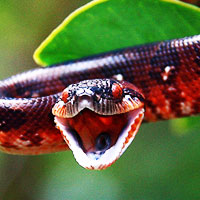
[
  {"x": 117, "y": 91},
  {"x": 65, "y": 95},
  {"x": 103, "y": 142}
]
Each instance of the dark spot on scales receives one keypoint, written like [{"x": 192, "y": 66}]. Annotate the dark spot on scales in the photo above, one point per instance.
[
  {"x": 33, "y": 137},
  {"x": 151, "y": 105},
  {"x": 9, "y": 145},
  {"x": 197, "y": 61},
  {"x": 6, "y": 93},
  {"x": 26, "y": 91},
  {"x": 64, "y": 80},
  {"x": 19, "y": 89},
  {"x": 11, "y": 118},
  {"x": 196, "y": 105},
  {"x": 164, "y": 56},
  {"x": 197, "y": 51},
  {"x": 197, "y": 48}
]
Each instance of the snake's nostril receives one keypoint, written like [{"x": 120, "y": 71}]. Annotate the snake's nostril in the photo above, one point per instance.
[{"x": 103, "y": 142}]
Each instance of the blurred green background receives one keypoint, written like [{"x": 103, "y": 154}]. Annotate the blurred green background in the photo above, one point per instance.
[{"x": 163, "y": 162}]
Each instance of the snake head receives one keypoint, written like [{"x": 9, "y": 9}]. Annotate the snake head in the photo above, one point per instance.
[{"x": 98, "y": 119}]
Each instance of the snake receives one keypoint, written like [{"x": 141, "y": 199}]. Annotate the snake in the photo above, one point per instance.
[{"x": 95, "y": 105}]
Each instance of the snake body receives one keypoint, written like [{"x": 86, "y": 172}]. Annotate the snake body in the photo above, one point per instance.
[{"x": 167, "y": 73}]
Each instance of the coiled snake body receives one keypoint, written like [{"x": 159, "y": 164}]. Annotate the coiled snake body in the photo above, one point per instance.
[{"x": 98, "y": 118}]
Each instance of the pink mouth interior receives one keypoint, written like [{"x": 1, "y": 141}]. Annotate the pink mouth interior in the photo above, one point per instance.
[
  {"x": 81, "y": 133},
  {"x": 87, "y": 126}
]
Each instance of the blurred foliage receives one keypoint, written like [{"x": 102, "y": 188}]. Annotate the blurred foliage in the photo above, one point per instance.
[
  {"x": 160, "y": 164},
  {"x": 106, "y": 25}
]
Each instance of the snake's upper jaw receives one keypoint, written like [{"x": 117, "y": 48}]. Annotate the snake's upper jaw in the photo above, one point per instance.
[{"x": 106, "y": 148}]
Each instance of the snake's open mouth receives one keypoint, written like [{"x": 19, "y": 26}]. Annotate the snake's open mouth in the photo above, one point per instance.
[
  {"x": 97, "y": 141},
  {"x": 98, "y": 119}
]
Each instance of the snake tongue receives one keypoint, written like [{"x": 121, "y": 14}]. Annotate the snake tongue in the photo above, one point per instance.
[{"x": 98, "y": 143}]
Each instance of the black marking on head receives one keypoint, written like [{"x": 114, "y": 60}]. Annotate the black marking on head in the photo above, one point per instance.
[
  {"x": 98, "y": 93},
  {"x": 133, "y": 94},
  {"x": 100, "y": 88},
  {"x": 106, "y": 92},
  {"x": 11, "y": 119},
  {"x": 97, "y": 90}
]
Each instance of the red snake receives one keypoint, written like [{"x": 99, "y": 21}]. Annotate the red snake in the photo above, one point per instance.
[{"x": 100, "y": 111}]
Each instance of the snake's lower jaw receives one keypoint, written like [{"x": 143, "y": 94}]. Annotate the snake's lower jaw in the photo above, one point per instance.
[{"x": 101, "y": 158}]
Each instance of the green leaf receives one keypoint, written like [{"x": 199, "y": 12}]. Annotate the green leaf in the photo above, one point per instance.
[{"x": 104, "y": 25}]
